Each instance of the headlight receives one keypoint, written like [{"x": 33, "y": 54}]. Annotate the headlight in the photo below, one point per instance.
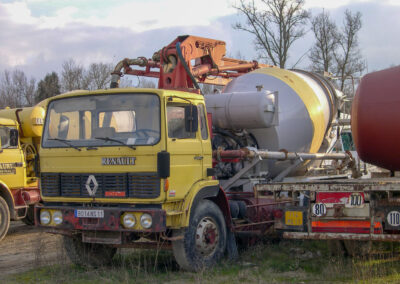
[
  {"x": 57, "y": 217},
  {"x": 128, "y": 220},
  {"x": 146, "y": 221},
  {"x": 45, "y": 217}
]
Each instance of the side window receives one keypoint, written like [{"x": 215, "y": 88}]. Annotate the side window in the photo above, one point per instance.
[
  {"x": 6, "y": 138},
  {"x": 203, "y": 122},
  {"x": 176, "y": 122}
]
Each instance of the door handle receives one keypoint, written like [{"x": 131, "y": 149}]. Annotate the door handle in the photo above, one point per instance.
[{"x": 198, "y": 157}]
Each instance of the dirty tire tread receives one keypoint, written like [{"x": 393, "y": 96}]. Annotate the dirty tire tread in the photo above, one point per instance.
[
  {"x": 358, "y": 248},
  {"x": 5, "y": 218},
  {"x": 86, "y": 254},
  {"x": 336, "y": 247},
  {"x": 183, "y": 250}
]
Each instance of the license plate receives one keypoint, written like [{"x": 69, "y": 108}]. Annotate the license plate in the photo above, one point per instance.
[
  {"x": 294, "y": 218},
  {"x": 80, "y": 213}
]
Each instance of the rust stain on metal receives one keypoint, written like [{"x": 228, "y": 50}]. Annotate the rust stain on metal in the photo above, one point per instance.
[{"x": 342, "y": 236}]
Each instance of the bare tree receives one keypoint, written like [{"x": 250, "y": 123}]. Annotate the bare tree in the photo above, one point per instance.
[
  {"x": 276, "y": 26},
  {"x": 322, "y": 54},
  {"x": 73, "y": 76},
  {"x": 146, "y": 83},
  {"x": 26, "y": 88},
  {"x": 16, "y": 90},
  {"x": 348, "y": 57},
  {"x": 98, "y": 75}
]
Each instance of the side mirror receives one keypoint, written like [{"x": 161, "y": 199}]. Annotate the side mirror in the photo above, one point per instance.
[
  {"x": 191, "y": 118},
  {"x": 163, "y": 164},
  {"x": 13, "y": 137}
]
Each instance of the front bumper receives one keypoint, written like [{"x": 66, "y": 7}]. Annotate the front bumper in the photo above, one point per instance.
[{"x": 111, "y": 221}]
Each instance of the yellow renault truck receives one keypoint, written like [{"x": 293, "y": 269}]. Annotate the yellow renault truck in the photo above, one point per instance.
[
  {"x": 117, "y": 165},
  {"x": 20, "y": 132}
]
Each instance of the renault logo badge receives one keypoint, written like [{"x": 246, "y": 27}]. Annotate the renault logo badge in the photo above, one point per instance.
[{"x": 91, "y": 181}]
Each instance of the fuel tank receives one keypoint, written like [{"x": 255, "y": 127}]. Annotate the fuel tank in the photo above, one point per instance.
[
  {"x": 31, "y": 119},
  {"x": 375, "y": 118},
  {"x": 303, "y": 106}
]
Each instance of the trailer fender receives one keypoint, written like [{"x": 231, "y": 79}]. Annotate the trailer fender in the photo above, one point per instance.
[{"x": 5, "y": 192}]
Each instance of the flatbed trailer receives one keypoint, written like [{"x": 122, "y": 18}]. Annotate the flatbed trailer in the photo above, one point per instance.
[{"x": 343, "y": 209}]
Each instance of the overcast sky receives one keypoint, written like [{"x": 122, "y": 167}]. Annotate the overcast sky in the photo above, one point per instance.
[{"x": 36, "y": 36}]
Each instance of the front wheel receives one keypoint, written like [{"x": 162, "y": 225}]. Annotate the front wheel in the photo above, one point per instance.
[
  {"x": 204, "y": 240},
  {"x": 87, "y": 254},
  {"x": 4, "y": 218}
]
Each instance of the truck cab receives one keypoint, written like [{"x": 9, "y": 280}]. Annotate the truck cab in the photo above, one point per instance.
[
  {"x": 18, "y": 179},
  {"x": 121, "y": 164}
]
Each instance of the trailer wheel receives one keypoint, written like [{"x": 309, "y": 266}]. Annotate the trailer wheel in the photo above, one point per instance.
[
  {"x": 204, "y": 240},
  {"x": 336, "y": 247},
  {"x": 358, "y": 248},
  {"x": 4, "y": 218},
  {"x": 29, "y": 219},
  {"x": 86, "y": 254}
]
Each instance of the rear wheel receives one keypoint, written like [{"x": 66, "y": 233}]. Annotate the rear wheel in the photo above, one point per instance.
[
  {"x": 87, "y": 254},
  {"x": 336, "y": 247},
  {"x": 204, "y": 240},
  {"x": 358, "y": 248},
  {"x": 4, "y": 218}
]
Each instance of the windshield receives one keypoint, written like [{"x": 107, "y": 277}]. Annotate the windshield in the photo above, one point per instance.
[{"x": 103, "y": 120}]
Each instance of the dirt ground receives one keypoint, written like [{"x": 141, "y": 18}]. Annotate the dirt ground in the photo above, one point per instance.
[{"x": 26, "y": 247}]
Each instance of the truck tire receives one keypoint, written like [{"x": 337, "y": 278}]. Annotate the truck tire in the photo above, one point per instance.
[
  {"x": 29, "y": 219},
  {"x": 204, "y": 240},
  {"x": 336, "y": 247},
  {"x": 86, "y": 254},
  {"x": 4, "y": 218},
  {"x": 358, "y": 248}
]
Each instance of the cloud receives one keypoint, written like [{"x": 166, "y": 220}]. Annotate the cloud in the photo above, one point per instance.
[
  {"x": 39, "y": 43},
  {"x": 125, "y": 14},
  {"x": 38, "y": 50}
]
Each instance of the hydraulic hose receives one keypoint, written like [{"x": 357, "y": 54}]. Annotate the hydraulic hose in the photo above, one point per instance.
[{"x": 179, "y": 52}]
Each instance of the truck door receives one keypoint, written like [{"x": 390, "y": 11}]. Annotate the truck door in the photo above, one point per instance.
[
  {"x": 185, "y": 149},
  {"x": 205, "y": 140},
  {"x": 11, "y": 163}
]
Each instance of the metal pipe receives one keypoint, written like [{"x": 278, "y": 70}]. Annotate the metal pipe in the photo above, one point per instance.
[
  {"x": 342, "y": 236},
  {"x": 295, "y": 156},
  {"x": 341, "y": 122},
  {"x": 278, "y": 155},
  {"x": 116, "y": 74},
  {"x": 254, "y": 224}
]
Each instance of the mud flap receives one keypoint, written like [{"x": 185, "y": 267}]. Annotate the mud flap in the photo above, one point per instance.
[{"x": 231, "y": 246}]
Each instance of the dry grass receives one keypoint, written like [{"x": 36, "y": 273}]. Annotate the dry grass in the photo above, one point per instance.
[{"x": 284, "y": 262}]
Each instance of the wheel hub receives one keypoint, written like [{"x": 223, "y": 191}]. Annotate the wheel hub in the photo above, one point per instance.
[{"x": 207, "y": 236}]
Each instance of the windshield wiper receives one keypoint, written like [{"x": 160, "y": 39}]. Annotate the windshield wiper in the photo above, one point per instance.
[
  {"x": 108, "y": 139},
  {"x": 66, "y": 142}
]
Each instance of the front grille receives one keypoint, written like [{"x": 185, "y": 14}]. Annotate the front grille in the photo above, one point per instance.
[
  {"x": 141, "y": 186},
  {"x": 50, "y": 184},
  {"x": 127, "y": 185}
]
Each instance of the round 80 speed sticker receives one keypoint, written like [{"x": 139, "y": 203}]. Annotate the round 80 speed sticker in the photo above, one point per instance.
[{"x": 319, "y": 209}]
